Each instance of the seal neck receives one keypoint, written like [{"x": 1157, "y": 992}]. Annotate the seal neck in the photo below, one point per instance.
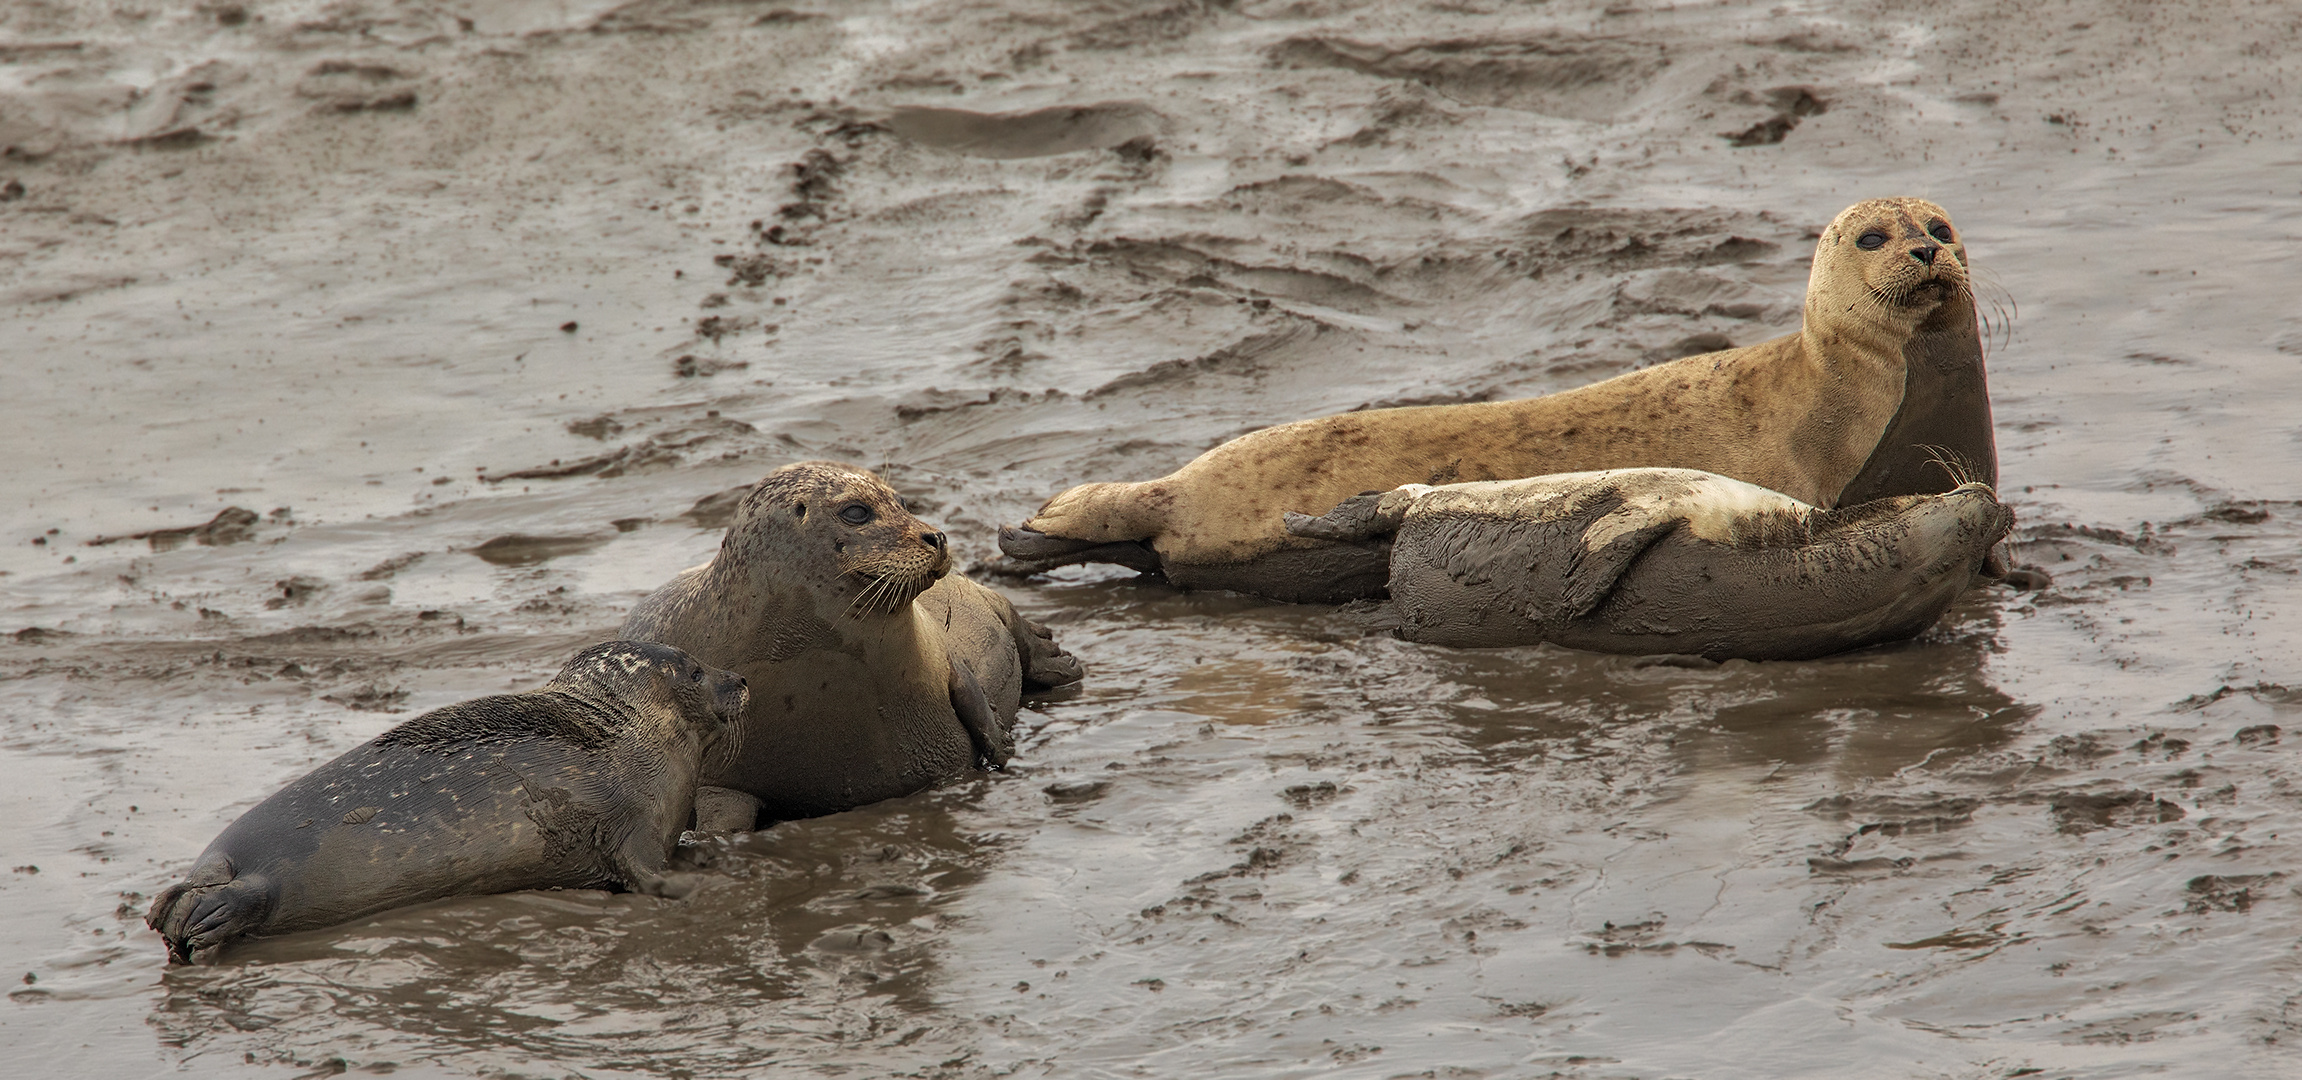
[{"x": 1874, "y": 330}]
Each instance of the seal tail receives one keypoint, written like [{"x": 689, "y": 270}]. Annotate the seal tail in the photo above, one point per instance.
[
  {"x": 209, "y": 909},
  {"x": 1112, "y": 523},
  {"x": 1034, "y": 551}
]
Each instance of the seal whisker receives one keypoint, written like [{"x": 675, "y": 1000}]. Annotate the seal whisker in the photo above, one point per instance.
[
  {"x": 1953, "y": 464},
  {"x": 867, "y": 601}
]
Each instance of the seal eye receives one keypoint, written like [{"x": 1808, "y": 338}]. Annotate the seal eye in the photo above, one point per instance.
[
  {"x": 1940, "y": 232},
  {"x": 1871, "y": 241},
  {"x": 855, "y": 513}
]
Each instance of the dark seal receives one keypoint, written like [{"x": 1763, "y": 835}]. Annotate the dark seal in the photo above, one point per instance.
[
  {"x": 1662, "y": 561},
  {"x": 585, "y": 783}
]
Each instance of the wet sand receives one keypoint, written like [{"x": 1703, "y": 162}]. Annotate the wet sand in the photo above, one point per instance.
[{"x": 465, "y": 308}]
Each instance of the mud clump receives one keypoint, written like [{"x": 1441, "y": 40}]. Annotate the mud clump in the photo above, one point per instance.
[
  {"x": 1034, "y": 133},
  {"x": 231, "y": 525},
  {"x": 717, "y": 510},
  {"x": 1553, "y": 74},
  {"x": 519, "y": 549},
  {"x": 2081, "y": 812},
  {"x": 1791, "y": 104}
]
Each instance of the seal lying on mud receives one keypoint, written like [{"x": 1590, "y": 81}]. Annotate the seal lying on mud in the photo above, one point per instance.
[
  {"x": 1667, "y": 561},
  {"x": 1887, "y": 362},
  {"x": 585, "y": 783},
  {"x": 873, "y": 673}
]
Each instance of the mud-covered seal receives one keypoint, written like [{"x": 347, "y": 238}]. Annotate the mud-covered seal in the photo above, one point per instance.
[
  {"x": 874, "y": 671},
  {"x": 585, "y": 783},
  {"x": 1886, "y": 372},
  {"x": 1653, "y": 561}
]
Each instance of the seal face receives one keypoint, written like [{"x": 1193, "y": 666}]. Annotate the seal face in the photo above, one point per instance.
[
  {"x": 875, "y": 672},
  {"x": 1655, "y": 561},
  {"x": 1814, "y": 415},
  {"x": 585, "y": 783}
]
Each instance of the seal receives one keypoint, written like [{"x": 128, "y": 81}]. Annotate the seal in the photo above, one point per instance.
[
  {"x": 875, "y": 672},
  {"x": 1887, "y": 364},
  {"x": 1652, "y": 561},
  {"x": 585, "y": 783}
]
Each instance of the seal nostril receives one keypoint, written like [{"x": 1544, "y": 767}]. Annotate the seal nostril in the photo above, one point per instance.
[
  {"x": 1924, "y": 254},
  {"x": 934, "y": 539}
]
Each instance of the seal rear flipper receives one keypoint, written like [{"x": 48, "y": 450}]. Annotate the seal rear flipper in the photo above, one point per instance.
[
  {"x": 994, "y": 742},
  {"x": 1361, "y": 517},
  {"x": 1034, "y": 551},
  {"x": 208, "y": 910}
]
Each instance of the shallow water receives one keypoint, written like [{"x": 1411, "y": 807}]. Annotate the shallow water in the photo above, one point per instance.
[{"x": 470, "y": 304}]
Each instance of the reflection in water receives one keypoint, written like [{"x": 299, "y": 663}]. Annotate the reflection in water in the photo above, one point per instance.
[{"x": 809, "y": 938}]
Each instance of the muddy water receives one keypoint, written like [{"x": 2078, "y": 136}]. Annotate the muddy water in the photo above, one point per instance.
[{"x": 466, "y": 306}]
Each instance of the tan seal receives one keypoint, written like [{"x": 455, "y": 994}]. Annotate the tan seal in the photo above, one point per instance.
[
  {"x": 1655, "y": 561},
  {"x": 874, "y": 673},
  {"x": 1808, "y": 415}
]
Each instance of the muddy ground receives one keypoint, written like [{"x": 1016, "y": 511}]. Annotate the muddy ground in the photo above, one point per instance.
[{"x": 364, "y": 356}]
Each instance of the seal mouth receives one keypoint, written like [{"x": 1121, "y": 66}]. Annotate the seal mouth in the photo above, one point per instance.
[
  {"x": 1927, "y": 292},
  {"x": 888, "y": 593},
  {"x": 729, "y": 700}
]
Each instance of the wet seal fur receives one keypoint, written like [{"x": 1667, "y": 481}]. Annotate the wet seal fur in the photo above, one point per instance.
[
  {"x": 874, "y": 671},
  {"x": 585, "y": 783},
  {"x": 1887, "y": 364},
  {"x": 1656, "y": 561}
]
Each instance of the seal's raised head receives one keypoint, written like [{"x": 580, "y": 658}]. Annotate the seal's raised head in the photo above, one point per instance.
[
  {"x": 844, "y": 531},
  {"x": 1892, "y": 260},
  {"x": 663, "y": 694}
]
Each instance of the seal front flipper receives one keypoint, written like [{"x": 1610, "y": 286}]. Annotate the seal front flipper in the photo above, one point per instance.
[
  {"x": 994, "y": 742},
  {"x": 1597, "y": 567},
  {"x": 720, "y": 809},
  {"x": 1046, "y": 665}
]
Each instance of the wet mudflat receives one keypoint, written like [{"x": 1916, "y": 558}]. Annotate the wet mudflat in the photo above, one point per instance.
[{"x": 364, "y": 357}]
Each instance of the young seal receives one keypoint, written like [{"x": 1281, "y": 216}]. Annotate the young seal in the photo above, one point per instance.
[
  {"x": 1820, "y": 415},
  {"x": 1666, "y": 561},
  {"x": 585, "y": 783},
  {"x": 873, "y": 673}
]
